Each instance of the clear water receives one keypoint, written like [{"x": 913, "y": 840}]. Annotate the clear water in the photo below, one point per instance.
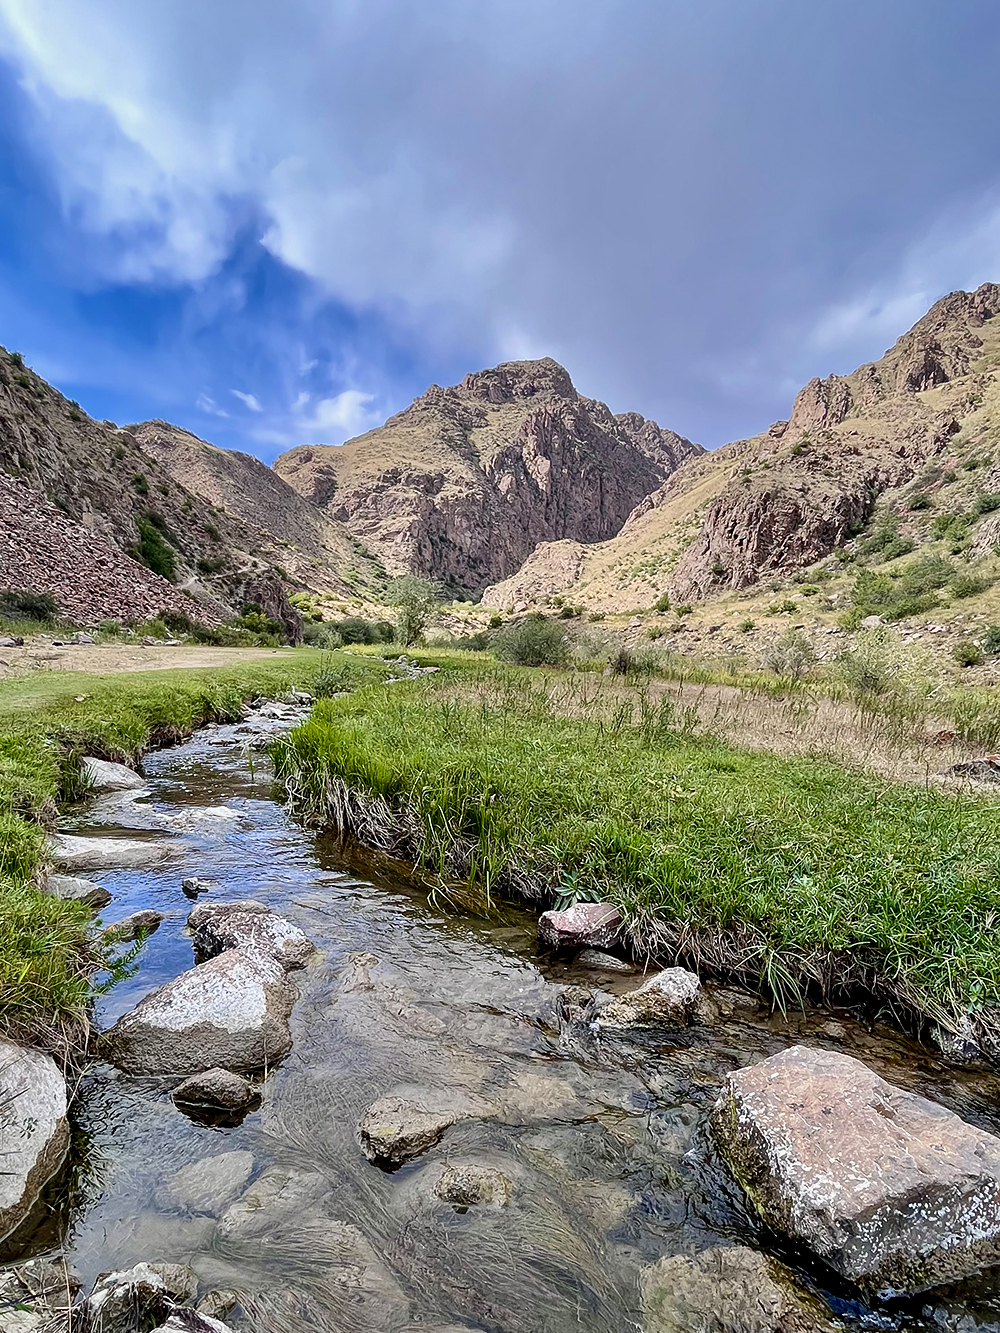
[{"x": 603, "y": 1140}]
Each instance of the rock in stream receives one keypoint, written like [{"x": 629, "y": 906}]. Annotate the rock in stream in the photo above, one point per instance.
[{"x": 34, "y": 1134}]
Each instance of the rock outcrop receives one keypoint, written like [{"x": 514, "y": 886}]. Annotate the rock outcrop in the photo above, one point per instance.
[
  {"x": 894, "y": 1192},
  {"x": 463, "y": 484},
  {"x": 34, "y": 1133}
]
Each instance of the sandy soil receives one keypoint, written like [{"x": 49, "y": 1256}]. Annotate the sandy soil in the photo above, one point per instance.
[{"x": 38, "y": 655}]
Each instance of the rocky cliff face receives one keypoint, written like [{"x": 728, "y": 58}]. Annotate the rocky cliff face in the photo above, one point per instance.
[{"x": 463, "y": 484}]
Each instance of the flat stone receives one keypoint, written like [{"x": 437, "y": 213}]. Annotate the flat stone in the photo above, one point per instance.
[
  {"x": 603, "y": 962},
  {"x": 671, "y": 998},
  {"x": 727, "y": 1290},
  {"x": 74, "y": 889},
  {"x": 250, "y": 926},
  {"x": 104, "y": 776},
  {"x": 130, "y": 928},
  {"x": 893, "y": 1191},
  {"x": 399, "y": 1127},
  {"x": 34, "y": 1134},
  {"x": 217, "y": 1088},
  {"x": 280, "y": 1194},
  {"x": 74, "y": 853},
  {"x": 466, "y": 1186},
  {"x": 209, "y": 1185},
  {"x": 582, "y": 926},
  {"x": 232, "y": 1012}
]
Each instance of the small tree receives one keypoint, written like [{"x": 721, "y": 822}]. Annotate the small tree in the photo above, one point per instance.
[{"x": 415, "y": 597}]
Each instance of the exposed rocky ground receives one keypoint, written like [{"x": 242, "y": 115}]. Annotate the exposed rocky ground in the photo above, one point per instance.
[{"x": 465, "y": 482}]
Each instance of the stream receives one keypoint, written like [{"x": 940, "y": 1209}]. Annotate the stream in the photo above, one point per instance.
[{"x": 603, "y": 1139}]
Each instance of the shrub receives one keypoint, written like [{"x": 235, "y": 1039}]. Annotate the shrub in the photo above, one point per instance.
[
  {"x": 211, "y": 566},
  {"x": 25, "y": 604},
  {"x": 632, "y": 663},
  {"x": 968, "y": 654},
  {"x": 921, "y": 500},
  {"x": 496, "y": 622},
  {"x": 987, "y": 503},
  {"x": 177, "y": 622},
  {"x": 662, "y": 602},
  {"x": 684, "y": 610},
  {"x": 153, "y": 549},
  {"x": 968, "y": 585},
  {"x": 747, "y": 626},
  {"x": 952, "y": 527},
  {"x": 357, "y": 629},
  {"x": 785, "y": 607},
  {"x": 536, "y": 641},
  {"x": 915, "y": 590},
  {"x": 337, "y": 676},
  {"x": 140, "y": 484},
  {"x": 990, "y": 641},
  {"x": 791, "y": 656},
  {"x": 318, "y": 635},
  {"x": 16, "y": 359}
]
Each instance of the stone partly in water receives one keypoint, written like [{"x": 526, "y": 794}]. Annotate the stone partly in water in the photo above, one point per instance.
[
  {"x": 894, "y": 1192},
  {"x": 727, "y": 1290},
  {"x": 219, "y": 1089},
  {"x": 582, "y": 926},
  {"x": 232, "y": 1012},
  {"x": 250, "y": 926},
  {"x": 109, "y": 853},
  {"x": 34, "y": 1134},
  {"x": 103, "y": 776},
  {"x": 399, "y": 1127},
  {"x": 137, "y": 1297},
  {"x": 192, "y": 1321},
  {"x": 602, "y": 962},
  {"x": 132, "y": 927},
  {"x": 673, "y": 998},
  {"x": 279, "y": 1195},
  {"x": 466, "y": 1186},
  {"x": 73, "y": 889},
  {"x": 194, "y": 885}
]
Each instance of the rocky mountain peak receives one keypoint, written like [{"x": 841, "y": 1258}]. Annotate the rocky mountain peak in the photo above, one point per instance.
[{"x": 515, "y": 380}]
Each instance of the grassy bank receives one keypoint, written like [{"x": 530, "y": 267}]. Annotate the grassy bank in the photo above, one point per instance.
[
  {"x": 47, "y": 720},
  {"x": 789, "y": 872}
]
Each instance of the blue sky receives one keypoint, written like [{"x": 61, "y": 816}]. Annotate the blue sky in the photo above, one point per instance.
[{"x": 277, "y": 224}]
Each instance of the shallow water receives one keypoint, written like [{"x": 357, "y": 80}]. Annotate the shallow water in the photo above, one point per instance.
[{"x": 602, "y": 1140}]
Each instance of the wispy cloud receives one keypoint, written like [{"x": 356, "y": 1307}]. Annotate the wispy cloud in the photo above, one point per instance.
[
  {"x": 248, "y": 399},
  {"x": 205, "y": 403}
]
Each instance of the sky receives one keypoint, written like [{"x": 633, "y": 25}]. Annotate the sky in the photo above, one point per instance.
[{"x": 276, "y": 224}]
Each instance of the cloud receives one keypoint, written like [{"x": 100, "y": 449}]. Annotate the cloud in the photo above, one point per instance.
[
  {"x": 247, "y": 399},
  {"x": 205, "y": 403}
]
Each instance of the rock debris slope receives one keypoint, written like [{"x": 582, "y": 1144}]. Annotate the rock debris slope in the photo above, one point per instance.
[{"x": 464, "y": 483}]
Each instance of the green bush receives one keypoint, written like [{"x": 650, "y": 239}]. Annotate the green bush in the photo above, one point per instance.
[
  {"x": 991, "y": 640},
  {"x": 968, "y": 654},
  {"x": 791, "y": 656},
  {"x": 921, "y": 501},
  {"x": 416, "y": 599},
  {"x": 536, "y": 641},
  {"x": 662, "y": 602},
  {"x": 140, "y": 483},
  {"x": 153, "y": 548},
  {"x": 318, "y": 635},
  {"x": 987, "y": 503},
  {"x": 968, "y": 585},
  {"x": 914, "y": 590},
  {"x": 26, "y": 604},
  {"x": 952, "y": 527}
]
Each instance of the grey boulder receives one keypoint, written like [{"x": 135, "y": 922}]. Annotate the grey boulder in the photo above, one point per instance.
[
  {"x": 74, "y": 853},
  {"x": 104, "y": 776},
  {"x": 672, "y": 998},
  {"x": 71, "y": 888},
  {"x": 582, "y": 926},
  {"x": 727, "y": 1290},
  {"x": 232, "y": 1012},
  {"x": 469, "y": 1185},
  {"x": 250, "y": 926},
  {"x": 279, "y": 1196},
  {"x": 34, "y": 1134},
  {"x": 218, "y": 1088},
  {"x": 893, "y": 1191}
]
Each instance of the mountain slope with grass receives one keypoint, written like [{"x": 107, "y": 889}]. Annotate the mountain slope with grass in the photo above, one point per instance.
[
  {"x": 905, "y": 444},
  {"x": 464, "y": 483}
]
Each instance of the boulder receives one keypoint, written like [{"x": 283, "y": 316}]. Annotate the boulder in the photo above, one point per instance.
[
  {"x": 466, "y": 1186},
  {"x": 217, "y": 1088},
  {"x": 399, "y": 1127},
  {"x": 109, "y": 853},
  {"x": 217, "y": 1304},
  {"x": 131, "y": 927},
  {"x": 137, "y": 1297},
  {"x": 74, "y": 889},
  {"x": 582, "y": 926},
  {"x": 104, "y": 776},
  {"x": 250, "y": 926},
  {"x": 893, "y": 1191},
  {"x": 232, "y": 1012},
  {"x": 727, "y": 1290},
  {"x": 672, "y": 998},
  {"x": 208, "y": 1186},
  {"x": 34, "y": 1134}
]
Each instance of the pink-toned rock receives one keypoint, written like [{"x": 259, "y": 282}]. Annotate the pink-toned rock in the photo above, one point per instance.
[
  {"x": 582, "y": 926},
  {"x": 893, "y": 1191}
]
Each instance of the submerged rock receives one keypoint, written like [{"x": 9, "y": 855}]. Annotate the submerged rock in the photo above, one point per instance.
[
  {"x": 73, "y": 889},
  {"x": 34, "y": 1134},
  {"x": 894, "y": 1192},
  {"x": 209, "y": 1185},
  {"x": 603, "y": 962},
  {"x": 232, "y": 1012},
  {"x": 219, "y": 1088},
  {"x": 465, "y": 1186},
  {"x": 673, "y": 998},
  {"x": 582, "y": 926},
  {"x": 109, "y": 853},
  {"x": 279, "y": 1195},
  {"x": 131, "y": 927},
  {"x": 250, "y": 926},
  {"x": 399, "y": 1127},
  {"x": 104, "y": 776},
  {"x": 727, "y": 1290}
]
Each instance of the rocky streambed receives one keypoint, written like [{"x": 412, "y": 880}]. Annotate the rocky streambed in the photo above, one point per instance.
[{"x": 424, "y": 1120}]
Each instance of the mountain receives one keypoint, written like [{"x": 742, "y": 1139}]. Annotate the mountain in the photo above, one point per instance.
[
  {"x": 463, "y": 484},
  {"x": 917, "y": 421}
]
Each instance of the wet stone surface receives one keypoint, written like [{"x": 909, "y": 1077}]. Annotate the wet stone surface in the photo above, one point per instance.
[{"x": 587, "y": 1162}]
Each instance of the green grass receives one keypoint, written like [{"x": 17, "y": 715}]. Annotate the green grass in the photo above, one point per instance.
[
  {"x": 47, "y": 721},
  {"x": 791, "y": 872}
]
